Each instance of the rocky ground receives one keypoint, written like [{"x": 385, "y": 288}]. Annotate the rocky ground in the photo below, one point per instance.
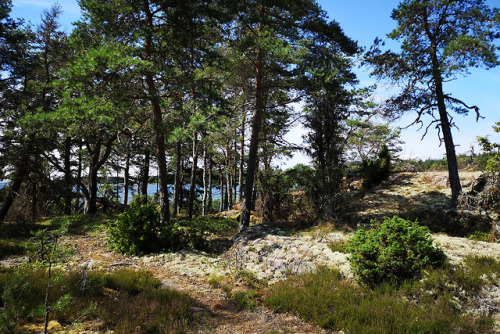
[
  {"x": 273, "y": 254},
  {"x": 271, "y": 257}
]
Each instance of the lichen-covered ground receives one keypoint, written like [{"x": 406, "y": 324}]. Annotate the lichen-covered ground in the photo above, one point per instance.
[{"x": 272, "y": 254}]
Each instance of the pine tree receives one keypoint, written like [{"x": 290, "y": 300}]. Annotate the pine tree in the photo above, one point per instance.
[{"x": 440, "y": 39}]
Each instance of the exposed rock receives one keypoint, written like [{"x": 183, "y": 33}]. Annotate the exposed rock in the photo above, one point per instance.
[{"x": 15, "y": 262}]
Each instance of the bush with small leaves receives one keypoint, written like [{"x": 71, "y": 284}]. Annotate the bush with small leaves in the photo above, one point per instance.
[
  {"x": 136, "y": 231},
  {"x": 393, "y": 251}
]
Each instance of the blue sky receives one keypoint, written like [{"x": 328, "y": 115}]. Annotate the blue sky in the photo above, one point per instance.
[{"x": 363, "y": 20}]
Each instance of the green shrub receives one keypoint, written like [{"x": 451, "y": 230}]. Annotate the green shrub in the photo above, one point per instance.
[
  {"x": 375, "y": 171},
  {"x": 136, "y": 231},
  {"x": 394, "y": 251}
]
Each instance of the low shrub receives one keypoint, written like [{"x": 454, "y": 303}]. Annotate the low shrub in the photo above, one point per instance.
[
  {"x": 136, "y": 231},
  {"x": 393, "y": 251},
  {"x": 375, "y": 171},
  {"x": 327, "y": 299}
]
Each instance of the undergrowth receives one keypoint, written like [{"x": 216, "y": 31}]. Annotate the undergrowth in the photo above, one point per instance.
[
  {"x": 138, "y": 231},
  {"x": 18, "y": 239},
  {"x": 123, "y": 301},
  {"x": 437, "y": 303}
]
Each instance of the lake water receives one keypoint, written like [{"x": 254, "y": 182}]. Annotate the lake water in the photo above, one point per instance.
[{"x": 152, "y": 189}]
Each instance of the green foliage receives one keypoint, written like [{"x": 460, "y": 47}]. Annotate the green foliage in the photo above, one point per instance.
[
  {"x": 123, "y": 300},
  {"x": 79, "y": 223},
  {"x": 367, "y": 139},
  {"x": 393, "y": 251},
  {"x": 482, "y": 236},
  {"x": 136, "y": 231},
  {"x": 274, "y": 195},
  {"x": 328, "y": 300},
  {"x": 209, "y": 224},
  {"x": 375, "y": 171},
  {"x": 492, "y": 150}
]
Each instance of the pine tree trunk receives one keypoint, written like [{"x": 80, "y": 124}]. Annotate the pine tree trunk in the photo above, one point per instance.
[
  {"x": 194, "y": 172},
  {"x": 79, "y": 176},
  {"x": 254, "y": 142},
  {"x": 126, "y": 176},
  {"x": 67, "y": 177},
  {"x": 451, "y": 157},
  {"x": 34, "y": 200},
  {"x": 93, "y": 170},
  {"x": 145, "y": 173},
  {"x": 177, "y": 180},
  {"x": 13, "y": 190},
  {"x": 221, "y": 176},
  {"x": 242, "y": 156},
  {"x": 235, "y": 168},
  {"x": 97, "y": 161},
  {"x": 210, "y": 185},
  {"x": 229, "y": 187},
  {"x": 205, "y": 183},
  {"x": 158, "y": 122}
]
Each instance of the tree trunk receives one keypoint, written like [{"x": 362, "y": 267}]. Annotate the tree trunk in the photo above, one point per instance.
[
  {"x": 242, "y": 156},
  {"x": 93, "y": 170},
  {"x": 178, "y": 178},
  {"x": 205, "y": 183},
  {"x": 145, "y": 173},
  {"x": 13, "y": 190},
  {"x": 235, "y": 168},
  {"x": 34, "y": 199},
  {"x": 158, "y": 121},
  {"x": 451, "y": 157},
  {"x": 67, "y": 177},
  {"x": 126, "y": 176},
  {"x": 221, "y": 201},
  {"x": 229, "y": 186},
  {"x": 254, "y": 141},
  {"x": 210, "y": 185},
  {"x": 79, "y": 176},
  {"x": 194, "y": 172},
  {"x": 96, "y": 163}
]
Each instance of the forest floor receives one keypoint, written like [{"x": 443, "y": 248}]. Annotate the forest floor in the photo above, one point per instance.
[{"x": 273, "y": 253}]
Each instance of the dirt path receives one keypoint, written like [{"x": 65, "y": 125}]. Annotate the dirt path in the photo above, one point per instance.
[{"x": 223, "y": 316}]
